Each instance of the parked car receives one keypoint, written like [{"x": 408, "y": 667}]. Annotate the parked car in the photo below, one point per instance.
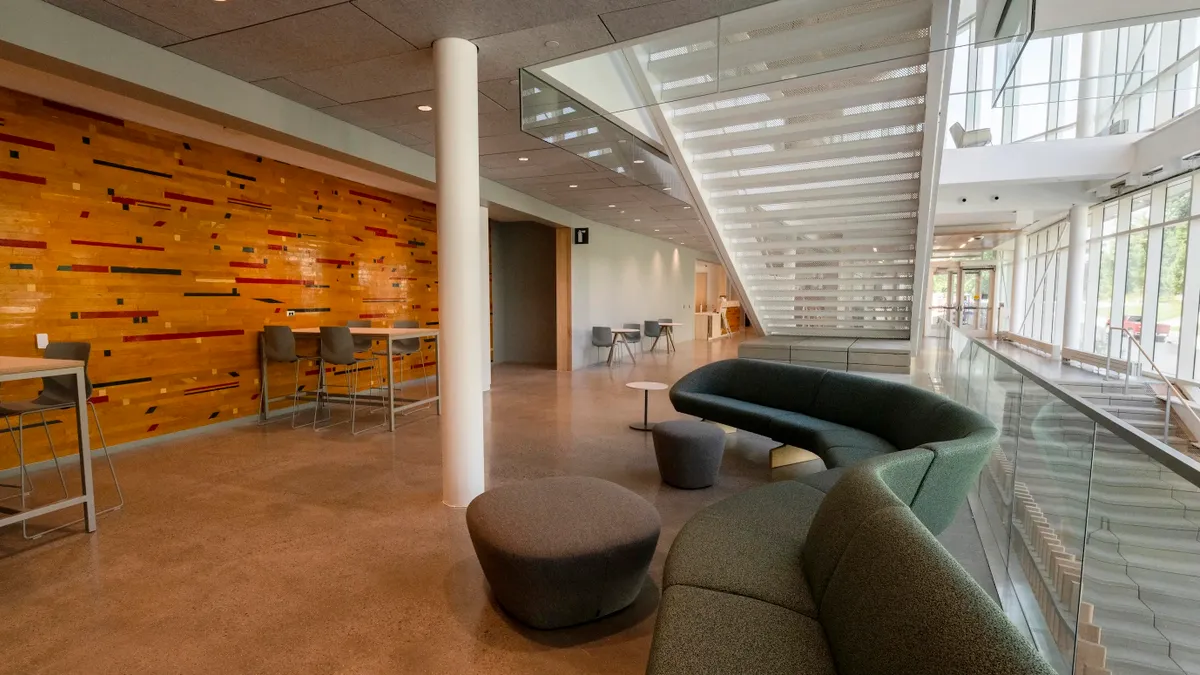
[{"x": 1133, "y": 324}]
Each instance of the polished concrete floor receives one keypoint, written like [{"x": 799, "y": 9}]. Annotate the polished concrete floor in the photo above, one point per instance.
[{"x": 253, "y": 549}]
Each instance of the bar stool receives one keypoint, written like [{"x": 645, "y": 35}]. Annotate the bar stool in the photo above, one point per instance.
[
  {"x": 404, "y": 347},
  {"x": 279, "y": 346},
  {"x": 338, "y": 349},
  {"x": 58, "y": 393},
  {"x": 362, "y": 344}
]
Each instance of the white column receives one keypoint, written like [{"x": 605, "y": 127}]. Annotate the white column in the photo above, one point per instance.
[
  {"x": 1076, "y": 296},
  {"x": 485, "y": 298},
  {"x": 1089, "y": 70},
  {"x": 1016, "y": 312},
  {"x": 457, "y": 120}
]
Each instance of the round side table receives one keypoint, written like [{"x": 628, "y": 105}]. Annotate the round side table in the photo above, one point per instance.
[{"x": 646, "y": 388}]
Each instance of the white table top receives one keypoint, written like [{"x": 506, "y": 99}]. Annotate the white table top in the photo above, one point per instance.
[
  {"x": 648, "y": 386},
  {"x": 371, "y": 331},
  {"x": 670, "y": 323},
  {"x": 19, "y": 367},
  {"x": 626, "y": 330}
]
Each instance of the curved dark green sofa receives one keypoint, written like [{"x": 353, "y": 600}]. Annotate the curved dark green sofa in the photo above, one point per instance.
[
  {"x": 784, "y": 579},
  {"x": 846, "y": 419}
]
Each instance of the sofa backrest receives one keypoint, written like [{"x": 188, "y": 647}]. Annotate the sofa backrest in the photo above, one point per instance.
[
  {"x": 892, "y": 600},
  {"x": 775, "y": 385}
]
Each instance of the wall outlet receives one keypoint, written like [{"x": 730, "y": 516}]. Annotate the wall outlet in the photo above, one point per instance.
[
  {"x": 43, "y": 340},
  {"x": 291, "y": 312}
]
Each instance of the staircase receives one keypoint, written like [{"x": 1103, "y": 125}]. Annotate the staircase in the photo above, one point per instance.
[{"x": 800, "y": 127}]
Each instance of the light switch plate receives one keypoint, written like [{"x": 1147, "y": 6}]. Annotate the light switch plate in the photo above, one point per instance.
[{"x": 43, "y": 340}]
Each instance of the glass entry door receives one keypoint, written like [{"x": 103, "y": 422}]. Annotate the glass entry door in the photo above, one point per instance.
[
  {"x": 943, "y": 302},
  {"x": 963, "y": 296}
]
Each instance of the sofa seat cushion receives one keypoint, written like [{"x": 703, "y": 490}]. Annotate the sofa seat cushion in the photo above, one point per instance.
[
  {"x": 799, "y": 429},
  {"x": 738, "y": 414},
  {"x": 702, "y": 632},
  {"x": 847, "y": 437},
  {"x": 750, "y": 544},
  {"x": 847, "y": 456}
]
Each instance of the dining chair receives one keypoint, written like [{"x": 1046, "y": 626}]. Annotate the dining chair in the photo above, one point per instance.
[
  {"x": 634, "y": 337},
  {"x": 338, "y": 349},
  {"x": 652, "y": 330},
  {"x": 279, "y": 346},
  {"x": 58, "y": 393},
  {"x": 602, "y": 336}
]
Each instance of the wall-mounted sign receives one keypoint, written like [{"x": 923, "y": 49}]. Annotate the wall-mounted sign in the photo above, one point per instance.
[{"x": 581, "y": 235}]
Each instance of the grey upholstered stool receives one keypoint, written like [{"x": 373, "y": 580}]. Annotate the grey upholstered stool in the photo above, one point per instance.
[
  {"x": 688, "y": 452},
  {"x": 562, "y": 551}
]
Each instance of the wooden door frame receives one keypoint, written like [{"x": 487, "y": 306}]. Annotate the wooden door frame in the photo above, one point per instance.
[{"x": 563, "y": 240}]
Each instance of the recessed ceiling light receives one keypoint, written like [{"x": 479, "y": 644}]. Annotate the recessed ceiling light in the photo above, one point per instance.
[
  {"x": 620, "y": 140},
  {"x": 522, "y": 159},
  {"x": 422, "y": 108},
  {"x": 612, "y": 206},
  {"x": 622, "y": 212},
  {"x": 656, "y": 230},
  {"x": 572, "y": 186},
  {"x": 666, "y": 189},
  {"x": 512, "y": 81},
  {"x": 552, "y": 43},
  {"x": 686, "y": 208},
  {"x": 637, "y": 220},
  {"x": 639, "y": 161}
]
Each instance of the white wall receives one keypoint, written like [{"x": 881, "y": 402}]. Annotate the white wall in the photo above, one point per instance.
[{"x": 621, "y": 277}]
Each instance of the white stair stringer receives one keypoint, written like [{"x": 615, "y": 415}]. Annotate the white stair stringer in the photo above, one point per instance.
[{"x": 800, "y": 128}]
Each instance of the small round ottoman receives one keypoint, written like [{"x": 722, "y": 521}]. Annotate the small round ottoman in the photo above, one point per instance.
[
  {"x": 688, "y": 452},
  {"x": 563, "y": 551}
]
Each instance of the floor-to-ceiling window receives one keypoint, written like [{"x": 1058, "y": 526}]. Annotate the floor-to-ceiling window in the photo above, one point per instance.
[
  {"x": 1044, "y": 284},
  {"x": 1146, "y": 279}
]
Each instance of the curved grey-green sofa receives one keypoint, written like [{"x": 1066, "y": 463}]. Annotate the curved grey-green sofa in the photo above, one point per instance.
[
  {"x": 786, "y": 579},
  {"x": 846, "y": 419}
]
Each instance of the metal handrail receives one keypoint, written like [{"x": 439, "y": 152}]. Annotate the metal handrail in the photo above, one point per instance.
[
  {"x": 1172, "y": 389},
  {"x": 1174, "y": 460}
]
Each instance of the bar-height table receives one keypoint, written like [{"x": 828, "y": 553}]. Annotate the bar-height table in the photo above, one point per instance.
[
  {"x": 669, "y": 329},
  {"x": 17, "y": 368},
  {"x": 621, "y": 335},
  {"x": 385, "y": 334}
]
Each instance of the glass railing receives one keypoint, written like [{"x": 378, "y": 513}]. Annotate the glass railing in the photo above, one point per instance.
[{"x": 1092, "y": 528}]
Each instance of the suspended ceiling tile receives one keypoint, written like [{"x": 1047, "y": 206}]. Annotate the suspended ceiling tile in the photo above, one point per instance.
[
  {"x": 403, "y": 137},
  {"x": 585, "y": 180},
  {"x": 496, "y": 121},
  {"x": 421, "y": 130},
  {"x": 651, "y": 18},
  {"x": 548, "y": 157},
  {"x": 398, "y": 110},
  {"x": 535, "y": 170},
  {"x": 290, "y": 90},
  {"x": 423, "y": 21},
  {"x": 514, "y": 142},
  {"x": 505, "y": 90},
  {"x": 108, "y": 14},
  {"x": 374, "y": 78},
  {"x": 325, "y": 37},
  {"x": 197, "y": 18},
  {"x": 503, "y": 55}
]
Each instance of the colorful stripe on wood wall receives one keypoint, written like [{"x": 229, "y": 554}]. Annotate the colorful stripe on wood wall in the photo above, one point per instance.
[{"x": 168, "y": 255}]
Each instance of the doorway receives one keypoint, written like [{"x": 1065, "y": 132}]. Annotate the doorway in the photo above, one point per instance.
[{"x": 963, "y": 295}]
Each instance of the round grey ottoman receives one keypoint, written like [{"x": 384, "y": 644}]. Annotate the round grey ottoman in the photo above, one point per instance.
[
  {"x": 562, "y": 551},
  {"x": 688, "y": 452}
]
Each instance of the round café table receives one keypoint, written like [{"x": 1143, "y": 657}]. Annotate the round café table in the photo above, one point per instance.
[{"x": 646, "y": 388}]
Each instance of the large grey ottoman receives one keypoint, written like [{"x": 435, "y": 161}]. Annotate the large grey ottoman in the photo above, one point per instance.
[
  {"x": 563, "y": 551},
  {"x": 688, "y": 452}
]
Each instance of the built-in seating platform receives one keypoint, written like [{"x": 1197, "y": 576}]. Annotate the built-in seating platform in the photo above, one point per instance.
[{"x": 834, "y": 353}]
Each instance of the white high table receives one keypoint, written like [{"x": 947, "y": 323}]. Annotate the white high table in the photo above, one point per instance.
[
  {"x": 387, "y": 335},
  {"x": 18, "y": 368},
  {"x": 668, "y": 328}
]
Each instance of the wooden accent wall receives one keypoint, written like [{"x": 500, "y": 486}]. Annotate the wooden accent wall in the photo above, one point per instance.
[{"x": 169, "y": 254}]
